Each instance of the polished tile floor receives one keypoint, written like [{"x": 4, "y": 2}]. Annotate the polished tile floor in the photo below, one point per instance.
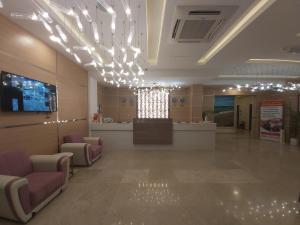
[{"x": 244, "y": 181}]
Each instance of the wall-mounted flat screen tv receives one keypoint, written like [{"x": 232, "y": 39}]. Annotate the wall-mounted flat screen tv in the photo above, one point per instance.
[{"x": 22, "y": 94}]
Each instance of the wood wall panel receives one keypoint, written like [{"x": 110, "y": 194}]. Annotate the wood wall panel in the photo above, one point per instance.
[
  {"x": 19, "y": 43},
  {"x": 117, "y": 103},
  {"x": 78, "y": 127},
  {"x": 39, "y": 139},
  {"x": 23, "y": 54}
]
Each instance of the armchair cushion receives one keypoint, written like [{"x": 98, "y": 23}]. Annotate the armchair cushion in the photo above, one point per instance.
[
  {"x": 43, "y": 184},
  {"x": 73, "y": 138},
  {"x": 95, "y": 150},
  {"x": 15, "y": 163}
]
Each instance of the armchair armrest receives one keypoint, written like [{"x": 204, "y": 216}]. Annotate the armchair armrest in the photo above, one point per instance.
[
  {"x": 47, "y": 163},
  {"x": 81, "y": 153},
  {"x": 93, "y": 140},
  {"x": 14, "y": 198}
]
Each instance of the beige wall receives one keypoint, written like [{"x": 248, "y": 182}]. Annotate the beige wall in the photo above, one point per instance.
[
  {"x": 290, "y": 100},
  {"x": 244, "y": 104},
  {"x": 21, "y": 53},
  {"x": 196, "y": 99},
  {"x": 120, "y": 103},
  {"x": 117, "y": 103},
  {"x": 180, "y": 105}
]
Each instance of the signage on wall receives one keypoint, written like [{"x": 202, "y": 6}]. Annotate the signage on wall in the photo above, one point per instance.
[{"x": 271, "y": 119}]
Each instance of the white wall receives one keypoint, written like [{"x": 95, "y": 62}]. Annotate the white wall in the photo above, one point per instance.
[{"x": 92, "y": 95}]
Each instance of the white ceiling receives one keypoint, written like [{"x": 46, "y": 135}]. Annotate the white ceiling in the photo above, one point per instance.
[{"x": 177, "y": 63}]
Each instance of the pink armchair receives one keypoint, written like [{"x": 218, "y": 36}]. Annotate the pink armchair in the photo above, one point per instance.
[
  {"x": 86, "y": 150},
  {"x": 27, "y": 183}
]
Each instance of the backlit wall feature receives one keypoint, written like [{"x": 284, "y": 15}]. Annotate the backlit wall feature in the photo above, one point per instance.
[{"x": 153, "y": 103}]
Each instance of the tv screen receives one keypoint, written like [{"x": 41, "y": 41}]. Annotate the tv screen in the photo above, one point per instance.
[{"x": 21, "y": 94}]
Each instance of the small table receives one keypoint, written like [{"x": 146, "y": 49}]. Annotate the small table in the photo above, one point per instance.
[{"x": 70, "y": 155}]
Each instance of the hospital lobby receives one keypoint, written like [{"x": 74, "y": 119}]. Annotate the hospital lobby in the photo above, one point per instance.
[{"x": 149, "y": 112}]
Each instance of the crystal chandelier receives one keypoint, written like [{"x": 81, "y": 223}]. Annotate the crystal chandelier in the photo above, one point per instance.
[{"x": 117, "y": 63}]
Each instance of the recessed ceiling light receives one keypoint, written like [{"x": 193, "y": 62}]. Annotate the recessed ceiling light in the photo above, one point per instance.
[
  {"x": 272, "y": 61},
  {"x": 255, "y": 76},
  {"x": 298, "y": 34},
  {"x": 250, "y": 15}
]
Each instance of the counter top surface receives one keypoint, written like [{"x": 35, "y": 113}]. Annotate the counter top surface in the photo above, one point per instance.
[{"x": 204, "y": 126}]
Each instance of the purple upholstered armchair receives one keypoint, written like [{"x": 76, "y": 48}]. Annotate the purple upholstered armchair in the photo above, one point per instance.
[
  {"x": 86, "y": 150},
  {"x": 27, "y": 183}
]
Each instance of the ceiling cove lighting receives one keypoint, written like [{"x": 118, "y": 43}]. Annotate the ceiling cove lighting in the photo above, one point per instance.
[
  {"x": 256, "y": 76},
  {"x": 272, "y": 61},
  {"x": 258, "y": 7}
]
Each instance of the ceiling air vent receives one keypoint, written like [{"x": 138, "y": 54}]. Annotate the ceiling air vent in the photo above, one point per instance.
[
  {"x": 204, "y": 13},
  {"x": 200, "y": 23}
]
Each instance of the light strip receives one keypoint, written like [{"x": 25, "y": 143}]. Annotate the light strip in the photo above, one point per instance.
[
  {"x": 272, "y": 61},
  {"x": 86, "y": 14},
  {"x": 32, "y": 17},
  {"x": 62, "y": 35},
  {"x": 258, "y": 7},
  {"x": 95, "y": 31},
  {"x": 46, "y": 25},
  {"x": 261, "y": 76}
]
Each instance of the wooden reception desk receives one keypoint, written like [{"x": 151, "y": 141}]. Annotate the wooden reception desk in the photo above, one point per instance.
[
  {"x": 153, "y": 131},
  {"x": 185, "y": 136}
]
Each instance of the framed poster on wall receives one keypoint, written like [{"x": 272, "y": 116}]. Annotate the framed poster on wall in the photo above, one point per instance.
[
  {"x": 271, "y": 119},
  {"x": 224, "y": 111}
]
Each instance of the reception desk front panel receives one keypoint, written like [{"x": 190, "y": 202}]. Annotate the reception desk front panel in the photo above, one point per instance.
[
  {"x": 152, "y": 131},
  {"x": 119, "y": 136}
]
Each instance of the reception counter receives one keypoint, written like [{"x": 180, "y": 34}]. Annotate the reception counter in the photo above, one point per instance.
[{"x": 186, "y": 136}]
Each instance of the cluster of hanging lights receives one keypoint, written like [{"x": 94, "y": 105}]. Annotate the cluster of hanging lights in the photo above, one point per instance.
[
  {"x": 157, "y": 87},
  {"x": 122, "y": 64},
  {"x": 265, "y": 86}
]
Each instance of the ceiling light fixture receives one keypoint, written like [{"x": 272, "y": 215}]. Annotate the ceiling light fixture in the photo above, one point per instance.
[
  {"x": 61, "y": 33},
  {"x": 46, "y": 25},
  {"x": 32, "y": 17},
  {"x": 262, "y": 76},
  {"x": 267, "y": 87},
  {"x": 272, "y": 61},
  {"x": 84, "y": 48},
  {"x": 95, "y": 31},
  {"x": 93, "y": 63},
  {"x": 78, "y": 21},
  {"x": 86, "y": 14},
  {"x": 1, "y": 4},
  {"x": 77, "y": 58},
  {"x": 250, "y": 15},
  {"x": 54, "y": 38}
]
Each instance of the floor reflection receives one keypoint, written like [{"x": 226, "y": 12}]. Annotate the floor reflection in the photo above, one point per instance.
[
  {"x": 154, "y": 193},
  {"x": 261, "y": 210}
]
